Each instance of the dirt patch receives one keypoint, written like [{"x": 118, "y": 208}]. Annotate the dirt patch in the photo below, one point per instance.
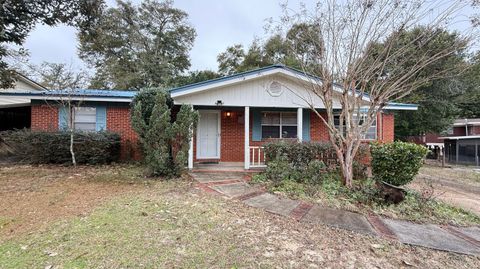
[
  {"x": 109, "y": 217},
  {"x": 455, "y": 185},
  {"x": 33, "y": 196}
]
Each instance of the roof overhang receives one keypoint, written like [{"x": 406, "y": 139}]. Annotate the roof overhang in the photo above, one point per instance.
[
  {"x": 246, "y": 76},
  {"x": 264, "y": 72},
  {"x": 82, "y": 96},
  {"x": 400, "y": 106},
  {"x": 30, "y": 82},
  {"x": 460, "y": 137}
]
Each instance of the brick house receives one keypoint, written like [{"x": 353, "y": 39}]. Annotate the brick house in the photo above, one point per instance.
[{"x": 238, "y": 114}]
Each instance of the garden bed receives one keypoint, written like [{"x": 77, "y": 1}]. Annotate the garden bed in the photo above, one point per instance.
[
  {"x": 362, "y": 198},
  {"x": 300, "y": 171}
]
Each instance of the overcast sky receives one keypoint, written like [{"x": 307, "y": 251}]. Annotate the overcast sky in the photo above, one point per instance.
[{"x": 218, "y": 23}]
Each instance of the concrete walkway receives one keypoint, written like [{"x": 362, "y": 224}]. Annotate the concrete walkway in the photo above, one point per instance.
[{"x": 234, "y": 185}]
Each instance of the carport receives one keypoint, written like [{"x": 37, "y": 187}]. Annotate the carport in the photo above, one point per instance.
[
  {"x": 463, "y": 149},
  {"x": 14, "y": 113}
]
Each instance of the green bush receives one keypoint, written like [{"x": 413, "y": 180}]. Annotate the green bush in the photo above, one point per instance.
[
  {"x": 306, "y": 162},
  {"x": 40, "y": 147},
  {"x": 300, "y": 154},
  {"x": 396, "y": 163}
]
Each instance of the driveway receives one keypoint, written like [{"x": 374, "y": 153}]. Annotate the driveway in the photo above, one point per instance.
[{"x": 451, "y": 186}]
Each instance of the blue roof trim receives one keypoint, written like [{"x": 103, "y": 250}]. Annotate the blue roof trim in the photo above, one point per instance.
[
  {"x": 400, "y": 105},
  {"x": 78, "y": 93}
]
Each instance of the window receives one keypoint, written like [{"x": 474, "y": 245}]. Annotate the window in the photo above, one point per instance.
[
  {"x": 84, "y": 118},
  {"x": 371, "y": 132},
  {"x": 279, "y": 125}
]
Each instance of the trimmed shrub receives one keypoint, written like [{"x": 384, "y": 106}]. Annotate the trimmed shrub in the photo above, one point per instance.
[
  {"x": 300, "y": 154},
  {"x": 396, "y": 163},
  {"x": 40, "y": 147},
  {"x": 307, "y": 162}
]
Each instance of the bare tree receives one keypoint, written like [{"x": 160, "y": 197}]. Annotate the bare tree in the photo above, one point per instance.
[{"x": 357, "y": 54}]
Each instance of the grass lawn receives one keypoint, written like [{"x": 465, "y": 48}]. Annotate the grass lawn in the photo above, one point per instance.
[{"x": 111, "y": 217}]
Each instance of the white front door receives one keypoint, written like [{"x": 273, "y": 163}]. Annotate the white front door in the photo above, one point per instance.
[{"x": 208, "y": 135}]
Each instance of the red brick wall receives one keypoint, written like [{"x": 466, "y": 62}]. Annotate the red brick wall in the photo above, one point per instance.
[
  {"x": 318, "y": 129},
  {"x": 118, "y": 120},
  {"x": 232, "y": 134},
  {"x": 44, "y": 118},
  {"x": 459, "y": 131},
  {"x": 386, "y": 131}
]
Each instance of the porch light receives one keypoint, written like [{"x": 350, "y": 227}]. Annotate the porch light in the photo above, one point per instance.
[{"x": 228, "y": 114}]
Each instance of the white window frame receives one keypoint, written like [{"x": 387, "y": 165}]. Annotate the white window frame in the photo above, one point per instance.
[
  {"x": 280, "y": 124},
  {"x": 73, "y": 120},
  {"x": 373, "y": 126}
]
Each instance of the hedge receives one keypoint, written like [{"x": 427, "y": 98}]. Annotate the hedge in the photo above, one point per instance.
[
  {"x": 41, "y": 147},
  {"x": 397, "y": 163},
  {"x": 307, "y": 161},
  {"x": 300, "y": 154}
]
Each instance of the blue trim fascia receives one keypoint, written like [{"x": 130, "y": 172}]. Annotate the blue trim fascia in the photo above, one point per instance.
[{"x": 77, "y": 93}]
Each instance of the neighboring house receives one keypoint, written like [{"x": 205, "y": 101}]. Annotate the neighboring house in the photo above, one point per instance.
[
  {"x": 238, "y": 114},
  {"x": 15, "y": 111},
  {"x": 462, "y": 142}
]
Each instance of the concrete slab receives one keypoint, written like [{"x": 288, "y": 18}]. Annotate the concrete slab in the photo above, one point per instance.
[
  {"x": 473, "y": 232},
  {"x": 234, "y": 189},
  {"x": 340, "y": 219},
  {"x": 273, "y": 204},
  {"x": 215, "y": 177},
  {"x": 429, "y": 235}
]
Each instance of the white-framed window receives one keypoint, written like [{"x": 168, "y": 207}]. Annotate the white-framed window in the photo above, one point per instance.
[
  {"x": 84, "y": 118},
  {"x": 279, "y": 125},
  {"x": 371, "y": 132}
]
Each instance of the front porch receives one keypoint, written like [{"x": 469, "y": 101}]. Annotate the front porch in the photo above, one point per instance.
[
  {"x": 232, "y": 138},
  {"x": 225, "y": 167}
]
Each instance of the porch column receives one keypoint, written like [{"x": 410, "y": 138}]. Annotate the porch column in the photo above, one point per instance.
[
  {"x": 247, "y": 137},
  {"x": 300, "y": 124},
  {"x": 190, "y": 151}
]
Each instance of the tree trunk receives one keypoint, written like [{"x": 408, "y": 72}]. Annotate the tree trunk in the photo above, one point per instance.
[
  {"x": 346, "y": 154},
  {"x": 72, "y": 152},
  {"x": 347, "y": 170}
]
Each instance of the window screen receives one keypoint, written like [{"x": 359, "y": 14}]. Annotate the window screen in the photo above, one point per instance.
[
  {"x": 279, "y": 125},
  {"x": 84, "y": 118},
  {"x": 371, "y": 133}
]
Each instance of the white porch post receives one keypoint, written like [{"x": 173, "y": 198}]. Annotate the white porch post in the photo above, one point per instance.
[
  {"x": 247, "y": 137},
  {"x": 300, "y": 124},
  {"x": 190, "y": 151}
]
